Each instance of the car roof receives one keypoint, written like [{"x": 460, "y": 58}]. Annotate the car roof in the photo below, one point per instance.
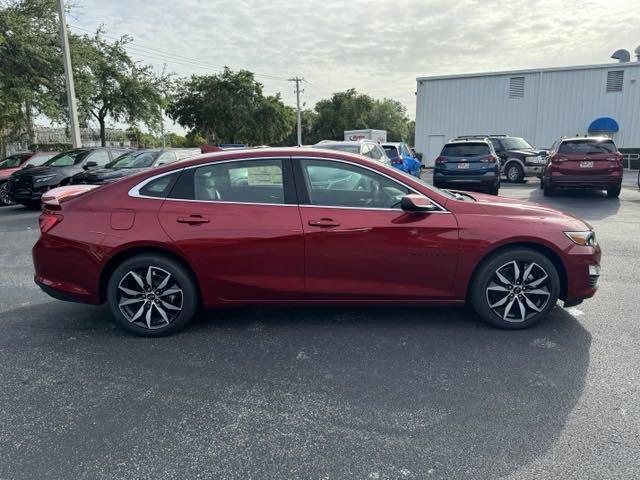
[
  {"x": 346, "y": 142},
  {"x": 462, "y": 141},
  {"x": 595, "y": 138}
]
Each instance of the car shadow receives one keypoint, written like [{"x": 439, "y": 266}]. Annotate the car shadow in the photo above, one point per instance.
[
  {"x": 579, "y": 202},
  {"x": 295, "y": 392}
]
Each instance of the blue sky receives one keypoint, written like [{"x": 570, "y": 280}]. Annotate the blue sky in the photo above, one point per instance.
[{"x": 378, "y": 47}]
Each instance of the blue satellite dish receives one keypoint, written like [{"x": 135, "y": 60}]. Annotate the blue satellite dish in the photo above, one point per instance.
[{"x": 604, "y": 125}]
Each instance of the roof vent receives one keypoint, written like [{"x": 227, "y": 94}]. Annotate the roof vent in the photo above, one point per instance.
[
  {"x": 622, "y": 55},
  {"x": 516, "y": 87}
]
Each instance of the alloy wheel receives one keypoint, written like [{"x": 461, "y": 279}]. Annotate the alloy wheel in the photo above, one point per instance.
[
  {"x": 513, "y": 173},
  {"x": 518, "y": 290},
  {"x": 150, "y": 297},
  {"x": 4, "y": 195}
]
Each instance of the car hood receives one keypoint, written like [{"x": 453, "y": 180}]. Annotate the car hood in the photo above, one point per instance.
[
  {"x": 526, "y": 152},
  {"x": 6, "y": 172},
  {"x": 103, "y": 174},
  {"x": 520, "y": 209}
]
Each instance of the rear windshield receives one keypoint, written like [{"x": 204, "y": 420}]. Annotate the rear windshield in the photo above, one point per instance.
[
  {"x": 465, "y": 150},
  {"x": 587, "y": 147},
  {"x": 342, "y": 148}
]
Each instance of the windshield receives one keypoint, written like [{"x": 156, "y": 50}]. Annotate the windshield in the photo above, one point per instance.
[
  {"x": 587, "y": 147},
  {"x": 66, "y": 159},
  {"x": 38, "y": 160},
  {"x": 13, "y": 160},
  {"x": 342, "y": 148},
  {"x": 134, "y": 160},
  {"x": 514, "y": 143},
  {"x": 392, "y": 152}
]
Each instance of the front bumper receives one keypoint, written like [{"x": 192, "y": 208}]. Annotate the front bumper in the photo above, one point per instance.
[
  {"x": 583, "y": 272},
  {"x": 28, "y": 194}
]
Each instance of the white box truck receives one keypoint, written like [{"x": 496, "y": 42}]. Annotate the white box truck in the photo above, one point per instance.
[{"x": 368, "y": 134}]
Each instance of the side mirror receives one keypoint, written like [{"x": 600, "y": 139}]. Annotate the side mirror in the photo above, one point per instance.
[
  {"x": 417, "y": 204},
  {"x": 89, "y": 165}
]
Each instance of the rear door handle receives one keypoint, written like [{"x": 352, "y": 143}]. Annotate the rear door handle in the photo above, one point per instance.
[
  {"x": 324, "y": 222},
  {"x": 193, "y": 219}
]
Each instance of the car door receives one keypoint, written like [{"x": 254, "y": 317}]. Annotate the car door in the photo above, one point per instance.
[
  {"x": 238, "y": 224},
  {"x": 359, "y": 244}
]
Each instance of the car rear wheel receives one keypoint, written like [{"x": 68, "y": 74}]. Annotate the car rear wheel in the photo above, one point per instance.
[
  {"x": 514, "y": 173},
  {"x": 515, "y": 289},
  {"x": 614, "y": 192},
  {"x": 152, "y": 295},
  {"x": 4, "y": 195}
]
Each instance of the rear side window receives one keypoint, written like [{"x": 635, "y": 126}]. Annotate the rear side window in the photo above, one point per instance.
[
  {"x": 392, "y": 152},
  {"x": 248, "y": 181},
  {"x": 159, "y": 187},
  {"x": 586, "y": 147},
  {"x": 465, "y": 149}
]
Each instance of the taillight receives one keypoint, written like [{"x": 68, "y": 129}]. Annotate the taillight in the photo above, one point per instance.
[
  {"x": 556, "y": 159},
  {"x": 616, "y": 158},
  {"x": 48, "y": 220},
  {"x": 489, "y": 159},
  {"x": 441, "y": 160}
]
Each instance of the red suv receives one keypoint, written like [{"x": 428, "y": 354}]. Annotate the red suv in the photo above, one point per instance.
[
  {"x": 583, "y": 162},
  {"x": 312, "y": 226}
]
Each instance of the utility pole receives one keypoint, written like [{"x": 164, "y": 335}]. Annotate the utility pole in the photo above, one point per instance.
[
  {"x": 68, "y": 77},
  {"x": 164, "y": 145},
  {"x": 298, "y": 80}
]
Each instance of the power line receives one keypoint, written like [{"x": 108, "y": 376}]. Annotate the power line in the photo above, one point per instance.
[{"x": 176, "y": 58}]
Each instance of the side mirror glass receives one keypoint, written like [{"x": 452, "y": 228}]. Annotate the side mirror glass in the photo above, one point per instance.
[
  {"x": 417, "y": 204},
  {"x": 89, "y": 165}
]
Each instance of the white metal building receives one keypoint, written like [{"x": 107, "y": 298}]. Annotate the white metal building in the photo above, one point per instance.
[{"x": 540, "y": 105}]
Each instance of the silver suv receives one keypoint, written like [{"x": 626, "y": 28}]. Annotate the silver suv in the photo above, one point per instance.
[{"x": 368, "y": 148}]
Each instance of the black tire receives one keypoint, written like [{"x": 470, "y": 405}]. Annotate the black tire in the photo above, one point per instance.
[
  {"x": 514, "y": 173},
  {"x": 155, "y": 301},
  {"x": 4, "y": 195},
  {"x": 494, "y": 190},
  {"x": 541, "y": 184},
  {"x": 614, "y": 192},
  {"x": 548, "y": 190},
  {"x": 485, "y": 285}
]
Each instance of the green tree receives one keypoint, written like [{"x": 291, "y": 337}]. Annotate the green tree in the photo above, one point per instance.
[
  {"x": 110, "y": 85},
  {"x": 31, "y": 80},
  {"x": 389, "y": 115},
  {"x": 230, "y": 108}
]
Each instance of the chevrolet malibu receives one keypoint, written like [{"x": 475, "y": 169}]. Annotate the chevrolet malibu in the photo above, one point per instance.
[{"x": 304, "y": 226}]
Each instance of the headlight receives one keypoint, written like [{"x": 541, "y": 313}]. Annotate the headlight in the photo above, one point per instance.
[
  {"x": 586, "y": 239},
  {"x": 43, "y": 179}
]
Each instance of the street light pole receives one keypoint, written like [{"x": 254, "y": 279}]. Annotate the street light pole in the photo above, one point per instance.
[
  {"x": 68, "y": 77},
  {"x": 298, "y": 80}
]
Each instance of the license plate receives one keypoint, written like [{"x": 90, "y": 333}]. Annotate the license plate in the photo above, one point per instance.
[
  {"x": 463, "y": 165},
  {"x": 586, "y": 164}
]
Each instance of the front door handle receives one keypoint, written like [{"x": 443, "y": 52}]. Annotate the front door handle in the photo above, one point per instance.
[
  {"x": 193, "y": 219},
  {"x": 324, "y": 222}
]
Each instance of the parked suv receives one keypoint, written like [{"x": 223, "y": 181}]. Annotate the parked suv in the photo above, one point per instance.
[
  {"x": 27, "y": 185},
  {"x": 518, "y": 159},
  {"x": 468, "y": 164},
  {"x": 583, "y": 162},
  {"x": 368, "y": 148},
  {"x": 402, "y": 158}
]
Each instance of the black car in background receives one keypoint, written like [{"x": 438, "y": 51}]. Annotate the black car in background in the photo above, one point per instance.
[
  {"x": 468, "y": 164},
  {"x": 27, "y": 185},
  {"x": 126, "y": 164},
  {"x": 518, "y": 158}
]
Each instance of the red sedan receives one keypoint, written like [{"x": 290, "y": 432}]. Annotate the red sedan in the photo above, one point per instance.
[{"x": 304, "y": 226}]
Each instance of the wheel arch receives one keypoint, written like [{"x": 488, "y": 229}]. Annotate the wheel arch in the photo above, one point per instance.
[
  {"x": 545, "y": 250},
  {"x": 512, "y": 160},
  {"x": 134, "y": 250}
]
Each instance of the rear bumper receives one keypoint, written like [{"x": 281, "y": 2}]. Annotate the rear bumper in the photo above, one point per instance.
[
  {"x": 451, "y": 178},
  {"x": 559, "y": 180}
]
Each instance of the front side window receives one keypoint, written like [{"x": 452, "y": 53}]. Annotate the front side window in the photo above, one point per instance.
[
  {"x": 251, "y": 181},
  {"x": 337, "y": 184},
  {"x": 165, "y": 158},
  {"x": 101, "y": 157}
]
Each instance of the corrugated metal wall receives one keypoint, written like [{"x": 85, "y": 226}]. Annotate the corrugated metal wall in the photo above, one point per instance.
[{"x": 555, "y": 103}]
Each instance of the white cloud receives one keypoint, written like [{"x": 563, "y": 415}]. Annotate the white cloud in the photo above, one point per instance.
[{"x": 378, "y": 47}]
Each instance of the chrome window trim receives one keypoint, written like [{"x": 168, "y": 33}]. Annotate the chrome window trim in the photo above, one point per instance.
[{"x": 135, "y": 190}]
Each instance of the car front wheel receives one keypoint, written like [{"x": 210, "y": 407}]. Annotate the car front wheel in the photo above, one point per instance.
[
  {"x": 4, "y": 195},
  {"x": 515, "y": 289},
  {"x": 152, "y": 295},
  {"x": 514, "y": 173}
]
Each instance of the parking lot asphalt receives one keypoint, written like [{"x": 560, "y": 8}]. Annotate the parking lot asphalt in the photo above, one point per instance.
[{"x": 364, "y": 393}]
